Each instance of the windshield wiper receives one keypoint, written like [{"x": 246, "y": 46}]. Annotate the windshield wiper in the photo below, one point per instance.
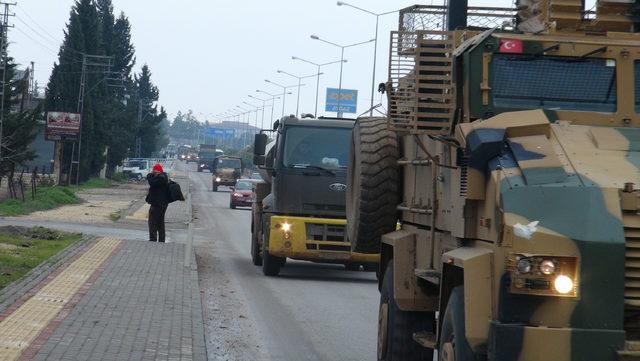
[{"x": 315, "y": 167}]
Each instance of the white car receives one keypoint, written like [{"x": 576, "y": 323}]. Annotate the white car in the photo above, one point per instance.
[{"x": 136, "y": 168}]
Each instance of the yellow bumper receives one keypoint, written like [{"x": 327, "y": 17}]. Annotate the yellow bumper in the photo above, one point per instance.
[{"x": 313, "y": 239}]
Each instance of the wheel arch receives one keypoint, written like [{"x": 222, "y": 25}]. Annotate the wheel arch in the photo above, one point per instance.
[{"x": 472, "y": 268}]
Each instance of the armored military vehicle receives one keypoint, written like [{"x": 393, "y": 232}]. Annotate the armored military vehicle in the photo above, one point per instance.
[{"x": 511, "y": 157}]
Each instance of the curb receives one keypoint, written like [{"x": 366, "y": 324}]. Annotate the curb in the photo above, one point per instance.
[{"x": 20, "y": 287}]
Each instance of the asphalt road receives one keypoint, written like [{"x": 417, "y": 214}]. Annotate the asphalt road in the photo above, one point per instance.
[{"x": 309, "y": 312}]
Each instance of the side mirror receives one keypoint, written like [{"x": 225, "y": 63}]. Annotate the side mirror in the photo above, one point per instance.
[{"x": 259, "y": 149}]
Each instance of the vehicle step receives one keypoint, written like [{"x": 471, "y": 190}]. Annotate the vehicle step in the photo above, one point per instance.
[
  {"x": 425, "y": 339},
  {"x": 627, "y": 355},
  {"x": 430, "y": 275}
]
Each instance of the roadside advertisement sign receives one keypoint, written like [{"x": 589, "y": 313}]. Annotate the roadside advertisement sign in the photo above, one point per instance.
[
  {"x": 347, "y": 103},
  {"x": 61, "y": 125}
]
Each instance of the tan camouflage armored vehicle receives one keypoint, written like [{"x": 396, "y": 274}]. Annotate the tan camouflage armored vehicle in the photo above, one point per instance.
[
  {"x": 226, "y": 171},
  {"x": 511, "y": 158}
]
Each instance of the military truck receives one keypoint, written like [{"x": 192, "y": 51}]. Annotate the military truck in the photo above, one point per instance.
[
  {"x": 207, "y": 155},
  {"x": 511, "y": 157},
  {"x": 299, "y": 209},
  {"x": 225, "y": 172}
]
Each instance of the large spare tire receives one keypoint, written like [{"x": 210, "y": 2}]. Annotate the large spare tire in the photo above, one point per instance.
[{"x": 372, "y": 184}]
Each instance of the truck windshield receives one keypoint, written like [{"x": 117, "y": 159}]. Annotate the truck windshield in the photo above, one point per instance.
[
  {"x": 229, "y": 163},
  {"x": 207, "y": 155},
  {"x": 526, "y": 82},
  {"x": 307, "y": 147}
]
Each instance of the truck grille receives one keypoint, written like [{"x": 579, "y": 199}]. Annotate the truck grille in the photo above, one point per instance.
[
  {"x": 326, "y": 232},
  {"x": 631, "y": 221}
]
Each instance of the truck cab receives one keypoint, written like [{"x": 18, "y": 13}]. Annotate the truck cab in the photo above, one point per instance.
[
  {"x": 299, "y": 210},
  {"x": 226, "y": 171}
]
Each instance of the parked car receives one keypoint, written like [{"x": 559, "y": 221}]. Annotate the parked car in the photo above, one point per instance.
[
  {"x": 136, "y": 168},
  {"x": 241, "y": 194}
]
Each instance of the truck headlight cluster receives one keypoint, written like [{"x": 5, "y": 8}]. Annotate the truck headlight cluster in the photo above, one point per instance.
[
  {"x": 286, "y": 229},
  {"x": 543, "y": 275},
  {"x": 218, "y": 179}
]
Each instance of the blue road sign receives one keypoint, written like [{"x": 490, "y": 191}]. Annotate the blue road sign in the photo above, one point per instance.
[
  {"x": 221, "y": 132},
  {"x": 348, "y": 100}
]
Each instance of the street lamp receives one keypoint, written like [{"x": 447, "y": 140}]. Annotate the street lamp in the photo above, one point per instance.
[
  {"x": 273, "y": 99},
  {"x": 284, "y": 91},
  {"x": 318, "y": 80},
  {"x": 257, "y": 108},
  {"x": 342, "y": 47},
  {"x": 264, "y": 105},
  {"x": 375, "y": 45},
  {"x": 299, "y": 85}
]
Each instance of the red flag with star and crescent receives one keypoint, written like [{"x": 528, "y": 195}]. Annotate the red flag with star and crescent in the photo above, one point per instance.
[{"x": 511, "y": 46}]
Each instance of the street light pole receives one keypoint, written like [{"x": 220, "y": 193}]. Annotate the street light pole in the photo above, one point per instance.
[
  {"x": 318, "y": 73},
  {"x": 342, "y": 47},
  {"x": 284, "y": 92},
  {"x": 375, "y": 45},
  {"x": 299, "y": 85}
]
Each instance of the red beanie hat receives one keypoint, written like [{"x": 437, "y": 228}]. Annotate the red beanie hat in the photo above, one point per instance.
[{"x": 158, "y": 168}]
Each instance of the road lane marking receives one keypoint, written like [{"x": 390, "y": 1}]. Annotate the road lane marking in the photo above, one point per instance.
[{"x": 23, "y": 326}]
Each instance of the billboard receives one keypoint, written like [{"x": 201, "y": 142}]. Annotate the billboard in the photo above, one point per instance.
[
  {"x": 348, "y": 102},
  {"x": 61, "y": 125},
  {"x": 221, "y": 132}
]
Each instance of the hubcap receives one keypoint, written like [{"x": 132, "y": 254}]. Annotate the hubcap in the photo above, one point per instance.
[
  {"x": 383, "y": 319},
  {"x": 447, "y": 352}
]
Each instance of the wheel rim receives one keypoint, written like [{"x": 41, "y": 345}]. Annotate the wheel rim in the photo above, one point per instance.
[
  {"x": 448, "y": 351},
  {"x": 383, "y": 319}
]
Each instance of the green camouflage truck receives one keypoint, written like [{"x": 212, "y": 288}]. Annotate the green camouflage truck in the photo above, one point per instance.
[{"x": 510, "y": 157}]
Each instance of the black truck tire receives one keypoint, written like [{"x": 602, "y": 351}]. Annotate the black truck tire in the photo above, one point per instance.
[
  {"x": 372, "y": 184},
  {"x": 271, "y": 264},
  {"x": 396, "y": 327},
  {"x": 256, "y": 259},
  {"x": 453, "y": 342}
]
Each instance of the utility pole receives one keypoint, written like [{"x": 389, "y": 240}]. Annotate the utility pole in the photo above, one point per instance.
[
  {"x": 3, "y": 51},
  {"x": 88, "y": 60}
]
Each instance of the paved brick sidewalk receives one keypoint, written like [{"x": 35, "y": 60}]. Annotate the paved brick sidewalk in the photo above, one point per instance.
[{"x": 144, "y": 305}]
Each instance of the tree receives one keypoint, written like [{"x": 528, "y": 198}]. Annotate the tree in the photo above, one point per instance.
[
  {"x": 19, "y": 126},
  {"x": 149, "y": 126}
]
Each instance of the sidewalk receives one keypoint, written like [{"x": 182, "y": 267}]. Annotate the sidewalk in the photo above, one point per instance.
[{"x": 112, "y": 300}]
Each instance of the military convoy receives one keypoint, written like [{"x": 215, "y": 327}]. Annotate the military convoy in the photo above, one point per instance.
[
  {"x": 510, "y": 156},
  {"x": 299, "y": 209}
]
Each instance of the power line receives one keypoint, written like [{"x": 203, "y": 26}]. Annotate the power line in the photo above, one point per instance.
[{"x": 36, "y": 22}]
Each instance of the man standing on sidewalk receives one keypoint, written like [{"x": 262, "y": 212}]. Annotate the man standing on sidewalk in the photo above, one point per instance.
[{"x": 158, "y": 198}]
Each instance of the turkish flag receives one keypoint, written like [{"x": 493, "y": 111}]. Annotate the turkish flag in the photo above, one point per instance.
[{"x": 512, "y": 46}]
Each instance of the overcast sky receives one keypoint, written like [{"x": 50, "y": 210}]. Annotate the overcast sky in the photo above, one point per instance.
[{"x": 208, "y": 55}]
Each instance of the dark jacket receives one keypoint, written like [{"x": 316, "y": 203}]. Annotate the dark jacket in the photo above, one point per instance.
[{"x": 158, "y": 189}]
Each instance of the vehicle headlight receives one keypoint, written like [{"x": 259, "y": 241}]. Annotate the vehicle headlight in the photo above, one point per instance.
[
  {"x": 202, "y": 165},
  {"x": 563, "y": 284},
  {"x": 286, "y": 227},
  {"x": 524, "y": 265},
  {"x": 237, "y": 195},
  {"x": 543, "y": 275},
  {"x": 218, "y": 179},
  {"x": 547, "y": 267}
]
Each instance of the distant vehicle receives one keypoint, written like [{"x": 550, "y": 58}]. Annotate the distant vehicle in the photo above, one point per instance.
[
  {"x": 207, "y": 155},
  {"x": 242, "y": 194},
  {"x": 226, "y": 171},
  {"x": 136, "y": 168},
  {"x": 256, "y": 176},
  {"x": 191, "y": 157},
  {"x": 183, "y": 151}
]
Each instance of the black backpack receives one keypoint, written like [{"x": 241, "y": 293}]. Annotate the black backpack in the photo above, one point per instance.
[{"x": 175, "y": 192}]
